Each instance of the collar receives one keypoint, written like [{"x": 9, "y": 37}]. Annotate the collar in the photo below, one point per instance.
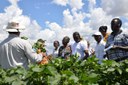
[
  {"x": 114, "y": 34},
  {"x": 13, "y": 35}
]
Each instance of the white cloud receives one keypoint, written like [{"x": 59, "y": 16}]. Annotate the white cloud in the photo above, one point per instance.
[
  {"x": 73, "y": 18},
  {"x": 77, "y": 4},
  {"x": 68, "y": 18},
  {"x": 74, "y": 4},
  {"x": 13, "y": 2},
  {"x": 99, "y": 17},
  {"x": 92, "y": 4},
  {"x": 10, "y": 13},
  {"x": 125, "y": 27},
  {"x": 73, "y": 21},
  {"x": 61, "y": 2},
  {"x": 32, "y": 29},
  {"x": 115, "y": 7},
  {"x": 14, "y": 13}
]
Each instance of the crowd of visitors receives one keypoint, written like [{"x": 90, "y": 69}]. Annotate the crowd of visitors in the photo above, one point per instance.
[{"x": 15, "y": 51}]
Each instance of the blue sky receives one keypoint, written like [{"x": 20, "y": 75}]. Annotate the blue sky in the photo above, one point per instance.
[
  {"x": 40, "y": 10},
  {"x": 44, "y": 10},
  {"x": 3, "y": 4},
  {"x": 53, "y": 19}
]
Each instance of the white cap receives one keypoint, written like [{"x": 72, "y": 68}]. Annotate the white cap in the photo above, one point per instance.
[
  {"x": 14, "y": 27},
  {"x": 96, "y": 33}
]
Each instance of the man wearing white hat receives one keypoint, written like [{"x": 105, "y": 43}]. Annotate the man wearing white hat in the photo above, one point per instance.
[
  {"x": 100, "y": 46},
  {"x": 15, "y": 51}
]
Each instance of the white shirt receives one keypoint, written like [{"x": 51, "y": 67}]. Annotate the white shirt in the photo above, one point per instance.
[
  {"x": 90, "y": 51},
  {"x": 99, "y": 50},
  {"x": 55, "y": 52},
  {"x": 79, "y": 48},
  {"x": 15, "y": 51}
]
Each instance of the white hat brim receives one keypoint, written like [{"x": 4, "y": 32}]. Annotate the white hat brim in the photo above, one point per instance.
[
  {"x": 97, "y": 34},
  {"x": 14, "y": 30},
  {"x": 17, "y": 29}
]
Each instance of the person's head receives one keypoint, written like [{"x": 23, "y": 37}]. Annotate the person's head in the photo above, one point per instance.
[
  {"x": 116, "y": 24},
  {"x": 41, "y": 42},
  {"x": 56, "y": 44},
  {"x": 65, "y": 40},
  {"x": 103, "y": 30},
  {"x": 97, "y": 36},
  {"x": 14, "y": 28},
  {"x": 76, "y": 37}
]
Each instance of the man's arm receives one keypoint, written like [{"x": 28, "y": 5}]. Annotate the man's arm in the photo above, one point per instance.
[
  {"x": 31, "y": 54},
  {"x": 86, "y": 54},
  {"x": 120, "y": 47},
  {"x": 60, "y": 51}
]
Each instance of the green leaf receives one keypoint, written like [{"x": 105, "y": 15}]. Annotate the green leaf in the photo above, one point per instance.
[
  {"x": 49, "y": 70},
  {"x": 119, "y": 70},
  {"x": 114, "y": 63},
  {"x": 110, "y": 69},
  {"x": 83, "y": 63},
  {"x": 9, "y": 79},
  {"x": 20, "y": 71},
  {"x": 126, "y": 69},
  {"x": 36, "y": 69},
  {"x": 105, "y": 71},
  {"x": 93, "y": 75},
  {"x": 68, "y": 73},
  {"x": 53, "y": 80},
  {"x": 74, "y": 78},
  {"x": 17, "y": 82},
  {"x": 24, "y": 37}
]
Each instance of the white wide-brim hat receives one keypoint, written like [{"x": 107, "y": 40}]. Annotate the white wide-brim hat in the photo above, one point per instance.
[{"x": 14, "y": 27}]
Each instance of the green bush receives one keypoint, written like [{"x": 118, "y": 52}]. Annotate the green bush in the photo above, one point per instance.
[{"x": 68, "y": 72}]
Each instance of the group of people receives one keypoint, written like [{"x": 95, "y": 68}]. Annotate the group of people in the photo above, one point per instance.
[
  {"x": 112, "y": 46},
  {"x": 15, "y": 51},
  {"x": 79, "y": 47}
]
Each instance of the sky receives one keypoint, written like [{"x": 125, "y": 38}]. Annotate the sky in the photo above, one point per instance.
[{"x": 53, "y": 19}]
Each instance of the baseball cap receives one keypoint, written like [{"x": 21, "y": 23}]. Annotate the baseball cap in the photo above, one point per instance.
[{"x": 96, "y": 33}]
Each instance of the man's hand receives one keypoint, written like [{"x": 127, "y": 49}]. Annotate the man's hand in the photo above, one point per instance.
[{"x": 116, "y": 47}]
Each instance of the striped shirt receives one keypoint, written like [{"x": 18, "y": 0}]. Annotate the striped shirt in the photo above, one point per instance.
[{"x": 119, "y": 39}]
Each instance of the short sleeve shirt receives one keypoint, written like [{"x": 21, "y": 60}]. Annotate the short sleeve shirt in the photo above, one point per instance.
[
  {"x": 99, "y": 50},
  {"x": 79, "y": 48},
  {"x": 120, "y": 39}
]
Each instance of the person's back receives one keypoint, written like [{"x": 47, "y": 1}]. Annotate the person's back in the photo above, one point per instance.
[{"x": 15, "y": 51}]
